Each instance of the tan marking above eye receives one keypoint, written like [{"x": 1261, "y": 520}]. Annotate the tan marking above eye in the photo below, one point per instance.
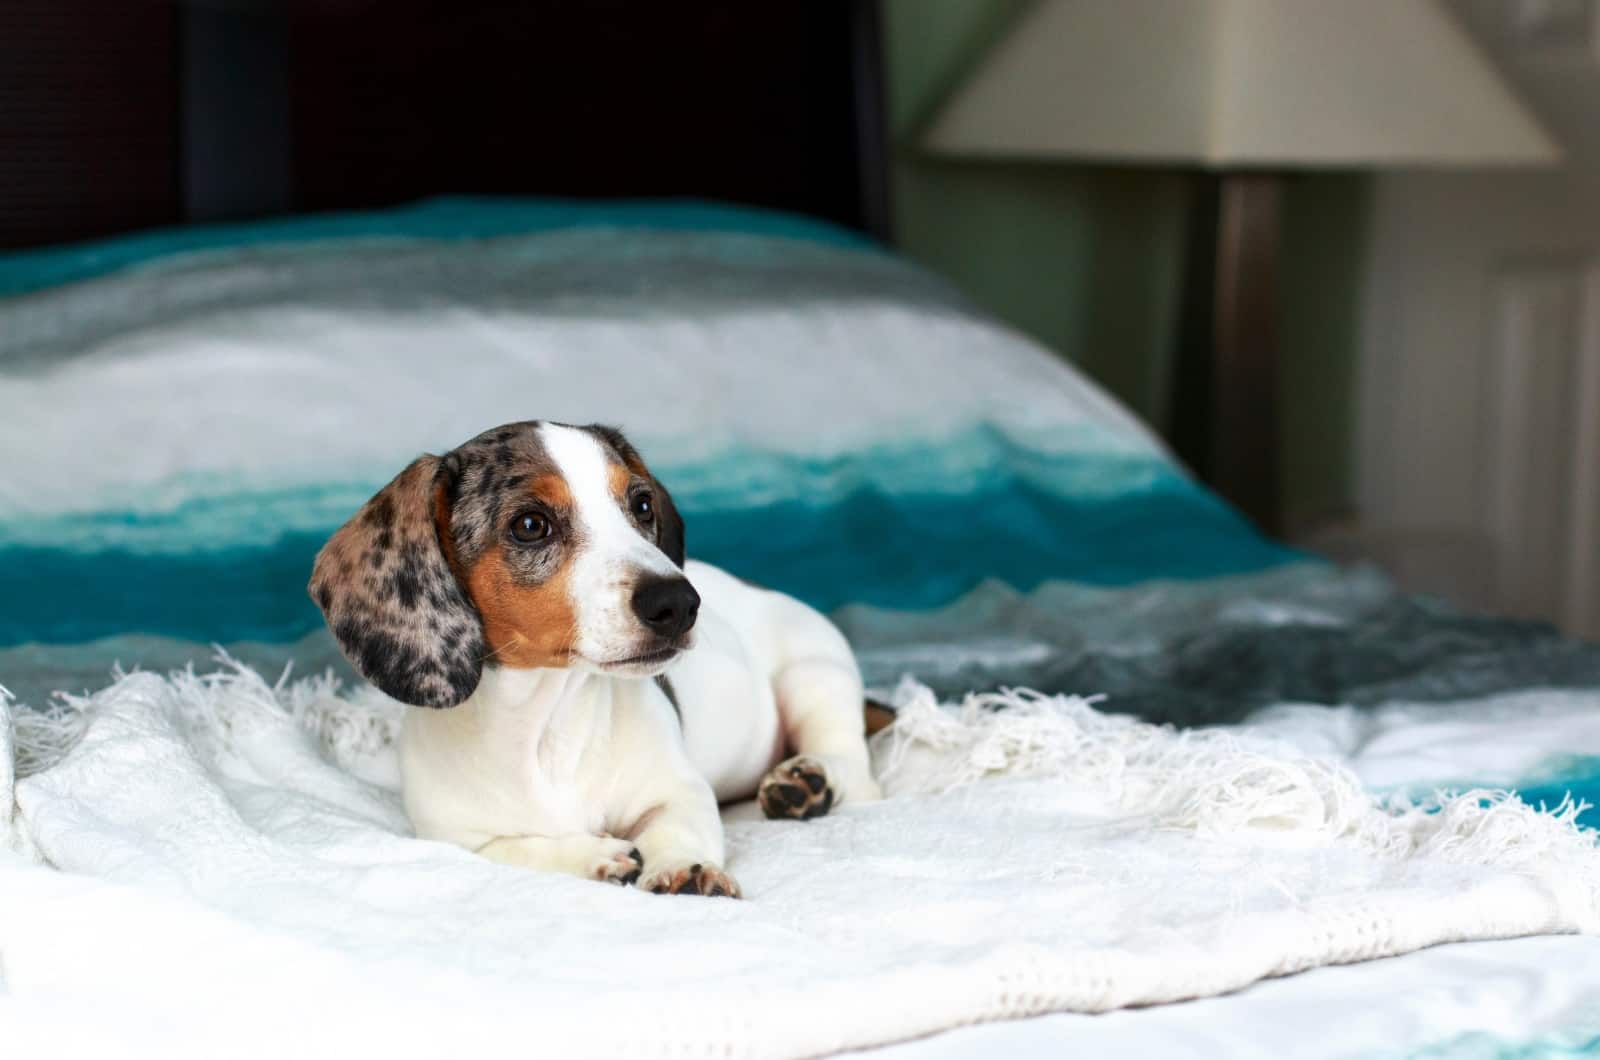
[
  {"x": 619, "y": 478},
  {"x": 525, "y": 626},
  {"x": 552, "y": 490}
]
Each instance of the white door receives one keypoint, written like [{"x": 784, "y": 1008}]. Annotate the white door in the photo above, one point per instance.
[{"x": 1479, "y": 407}]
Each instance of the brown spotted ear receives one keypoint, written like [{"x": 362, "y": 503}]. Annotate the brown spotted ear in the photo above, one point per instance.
[
  {"x": 385, "y": 585},
  {"x": 670, "y": 537}
]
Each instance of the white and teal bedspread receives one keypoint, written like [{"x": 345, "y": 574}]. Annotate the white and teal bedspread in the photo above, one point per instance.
[{"x": 185, "y": 417}]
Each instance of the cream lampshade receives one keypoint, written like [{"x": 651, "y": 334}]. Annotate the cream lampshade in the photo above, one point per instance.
[{"x": 1257, "y": 86}]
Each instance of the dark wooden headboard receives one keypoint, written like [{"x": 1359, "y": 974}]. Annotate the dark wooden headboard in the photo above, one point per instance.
[{"x": 122, "y": 114}]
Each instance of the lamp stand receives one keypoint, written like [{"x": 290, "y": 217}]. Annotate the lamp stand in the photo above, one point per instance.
[{"x": 1224, "y": 409}]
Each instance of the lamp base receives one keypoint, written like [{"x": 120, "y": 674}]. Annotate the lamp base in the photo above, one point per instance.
[{"x": 1225, "y": 379}]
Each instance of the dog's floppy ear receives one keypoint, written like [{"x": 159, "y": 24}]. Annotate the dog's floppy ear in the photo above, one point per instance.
[
  {"x": 385, "y": 585},
  {"x": 670, "y": 539}
]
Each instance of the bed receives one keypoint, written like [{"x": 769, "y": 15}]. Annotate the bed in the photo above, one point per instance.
[
  {"x": 1160, "y": 785},
  {"x": 192, "y": 413}
]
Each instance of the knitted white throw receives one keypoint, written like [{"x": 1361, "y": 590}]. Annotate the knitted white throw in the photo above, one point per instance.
[{"x": 237, "y": 880}]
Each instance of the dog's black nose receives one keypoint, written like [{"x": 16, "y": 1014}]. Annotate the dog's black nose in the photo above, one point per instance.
[{"x": 666, "y": 606}]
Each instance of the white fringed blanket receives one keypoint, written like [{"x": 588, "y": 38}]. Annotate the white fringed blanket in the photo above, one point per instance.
[{"x": 236, "y": 879}]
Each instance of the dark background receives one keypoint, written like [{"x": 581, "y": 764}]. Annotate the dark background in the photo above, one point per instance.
[{"x": 122, "y": 114}]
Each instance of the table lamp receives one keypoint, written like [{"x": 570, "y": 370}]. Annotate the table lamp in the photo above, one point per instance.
[{"x": 1242, "y": 91}]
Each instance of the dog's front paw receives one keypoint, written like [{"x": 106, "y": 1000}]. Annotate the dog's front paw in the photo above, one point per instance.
[
  {"x": 698, "y": 878},
  {"x": 620, "y": 863},
  {"x": 796, "y": 789}
]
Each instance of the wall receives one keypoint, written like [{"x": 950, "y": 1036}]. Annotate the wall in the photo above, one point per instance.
[{"x": 1088, "y": 259}]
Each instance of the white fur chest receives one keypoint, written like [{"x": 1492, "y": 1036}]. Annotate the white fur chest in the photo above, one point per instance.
[{"x": 535, "y": 748}]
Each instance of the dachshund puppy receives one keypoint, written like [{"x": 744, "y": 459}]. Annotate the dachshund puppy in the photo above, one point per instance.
[{"x": 581, "y": 697}]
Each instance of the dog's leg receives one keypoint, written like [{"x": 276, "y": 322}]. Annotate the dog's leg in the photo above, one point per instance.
[
  {"x": 664, "y": 805},
  {"x": 594, "y": 857},
  {"x": 820, "y": 704},
  {"x": 681, "y": 839}
]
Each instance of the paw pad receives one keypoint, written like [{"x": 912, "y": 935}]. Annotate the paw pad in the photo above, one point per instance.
[
  {"x": 700, "y": 879},
  {"x": 796, "y": 790}
]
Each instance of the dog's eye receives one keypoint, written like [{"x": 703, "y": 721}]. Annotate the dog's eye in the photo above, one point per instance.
[
  {"x": 530, "y": 528},
  {"x": 643, "y": 507}
]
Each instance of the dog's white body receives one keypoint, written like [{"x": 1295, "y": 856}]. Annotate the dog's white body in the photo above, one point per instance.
[{"x": 550, "y": 753}]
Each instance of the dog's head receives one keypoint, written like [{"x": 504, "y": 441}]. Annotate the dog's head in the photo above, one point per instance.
[{"x": 532, "y": 545}]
